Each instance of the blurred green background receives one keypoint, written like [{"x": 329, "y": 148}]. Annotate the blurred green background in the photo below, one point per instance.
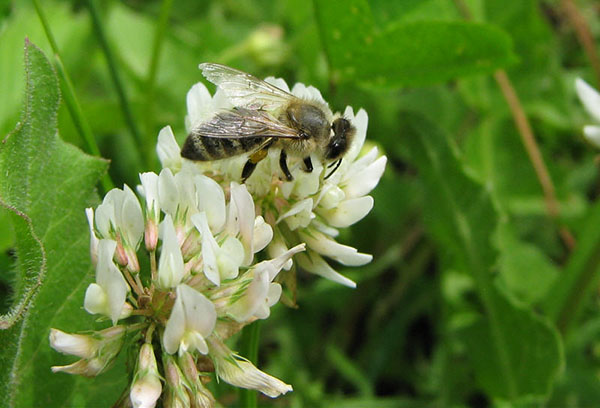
[{"x": 476, "y": 295}]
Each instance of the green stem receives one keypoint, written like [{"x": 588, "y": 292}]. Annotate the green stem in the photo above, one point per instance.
[
  {"x": 250, "y": 341},
  {"x": 116, "y": 79},
  {"x": 79, "y": 120}
]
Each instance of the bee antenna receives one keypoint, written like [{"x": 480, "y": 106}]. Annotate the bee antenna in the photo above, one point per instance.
[{"x": 337, "y": 165}]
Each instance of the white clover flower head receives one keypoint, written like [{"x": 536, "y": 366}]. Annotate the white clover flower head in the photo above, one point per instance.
[
  {"x": 108, "y": 294},
  {"x": 203, "y": 231},
  {"x": 590, "y": 98},
  {"x": 311, "y": 205},
  {"x": 192, "y": 319},
  {"x": 146, "y": 387}
]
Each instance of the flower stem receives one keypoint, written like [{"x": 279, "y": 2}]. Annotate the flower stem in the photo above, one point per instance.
[
  {"x": 584, "y": 35},
  {"x": 79, "y": 120},
  {"x": 116, "y": 78},
  {"x": 250, "y": 341}
]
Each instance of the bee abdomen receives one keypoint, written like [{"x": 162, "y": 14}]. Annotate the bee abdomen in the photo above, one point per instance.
[{"x": 204, "y": 148}]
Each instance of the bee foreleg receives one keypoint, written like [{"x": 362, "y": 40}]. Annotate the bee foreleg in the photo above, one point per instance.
[
  {"x": 308, "y": 165},
  {"x": 284, "y": 166}
]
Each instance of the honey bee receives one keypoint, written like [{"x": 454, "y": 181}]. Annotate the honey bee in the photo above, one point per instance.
[{"x": 264, "y": 117}]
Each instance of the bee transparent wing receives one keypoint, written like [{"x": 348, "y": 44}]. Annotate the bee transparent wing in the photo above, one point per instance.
[
  {"x": 241, "y": 122},
  {"x": 244, "y": 89}
]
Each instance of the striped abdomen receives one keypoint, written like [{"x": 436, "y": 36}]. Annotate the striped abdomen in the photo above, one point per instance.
[{"x": 203, "y": 148}]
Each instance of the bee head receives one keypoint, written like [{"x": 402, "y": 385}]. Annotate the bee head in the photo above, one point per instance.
[{"x": 343, "y": 132}]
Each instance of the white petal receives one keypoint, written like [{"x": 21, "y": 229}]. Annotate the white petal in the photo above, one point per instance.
[
  {"x": 211, "y": 199},
  {"x": 273, "y": 266},
  {"x": 278, "y": 82},
  {"x": 299, "y": 216},
  {"x": 105, "y": 214},
  {"x": 168, "y": 150},
  {"x": 89, "y": 212},
  {"x": 313, "y": 263},
  {"x": 324, "y": 245},
  {"x": 168, "y": 193},
  {"x": 230, "y": 257},
  {"x": 348, "y": 212},
  {"x": 592, "y": 135},
  {"x": 254, "y": 296},
  {"x": 589, "y": 97},
  {"x": 274, "y": 294},
  {"x": 209, "y": 248},
  {"x": 243, "y": 214},
  {"x": 330, "y": 196},
  {"x": 95, "y": 301},
  {"x": 361, "y": 122},
  {"x": 79, "y": 345},
  {"x": 364, "y": 179},
  {"x": 110, "y": 278},
  {"x": 278, "y": 247},
  {"x": 263, "y": 233},
  {"x": 150, "y": 191},
  {"x": 130, "y": 218},
  {"x": 170, "y": 264},
  {"x": 199, "y": 106},
  {"x": 175, "y": 327},
  {"x": 200, "y": 313}
]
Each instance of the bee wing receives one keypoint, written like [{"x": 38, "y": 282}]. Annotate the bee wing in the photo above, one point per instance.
[
  {"x": 244, "y": 89},
  {"x": 241, "y": 122}
]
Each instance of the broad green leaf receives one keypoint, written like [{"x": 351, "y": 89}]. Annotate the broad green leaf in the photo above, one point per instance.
[
  {"x": 525, "y": 271},
  {"x": 515, "y": 353},
  {"x": 46, "y": 185},
  {"x": 406, "y": 53}
]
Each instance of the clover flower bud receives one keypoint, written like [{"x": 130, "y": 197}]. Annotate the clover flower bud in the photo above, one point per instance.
[
  {"x": 176, "y": 394},
  {"x": 146, "y": 388},
  {"x": 201, "y": 397}
]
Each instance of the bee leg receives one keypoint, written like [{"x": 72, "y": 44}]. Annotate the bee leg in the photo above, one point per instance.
[
  {"x": 284, "y": 166},
  {"x": 308, "y": 165},
  {"x": 255, "y": 158},
  {"x": 247, "y": 170}
]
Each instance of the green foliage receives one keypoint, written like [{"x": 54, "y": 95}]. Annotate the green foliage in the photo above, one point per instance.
[
  {"x": 46, "y": 185},
  {"x": 472, "y": 299},
  {"x": 514, "y": 353},
  {"x": 406, "y": 53}
]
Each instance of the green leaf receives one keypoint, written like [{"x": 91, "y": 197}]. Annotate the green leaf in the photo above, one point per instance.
[
  {"x": 525, "y": 271},
  {"x": 406, "y": 53},
  {"x": 46, "y": 184},
  {"x": 515, "y": 354}
]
